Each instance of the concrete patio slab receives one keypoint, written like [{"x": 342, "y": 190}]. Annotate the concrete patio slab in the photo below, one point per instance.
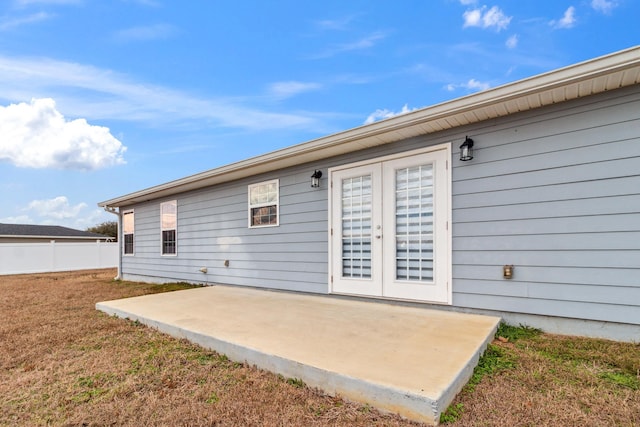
[{"x": 406, "y": 360}]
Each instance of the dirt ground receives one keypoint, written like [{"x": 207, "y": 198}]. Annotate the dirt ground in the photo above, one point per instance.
[{"x": 62, "y": 363}]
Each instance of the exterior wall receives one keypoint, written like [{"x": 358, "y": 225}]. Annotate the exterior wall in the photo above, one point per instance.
[
  {"x": 213, "y": 227},
  {"x": 23, "y": 258},
  {"x": 555, "y": 193},
  {"x": 552, "y": 191}
]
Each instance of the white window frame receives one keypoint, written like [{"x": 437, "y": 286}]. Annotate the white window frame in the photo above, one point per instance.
[
  {"x": 163, "y": 228},
  {"x": 133, "y": 233},
  {"x": 263, "y": 204}
]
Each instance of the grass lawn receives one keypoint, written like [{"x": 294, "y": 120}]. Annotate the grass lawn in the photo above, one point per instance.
[{"x": 63, "y": 363}]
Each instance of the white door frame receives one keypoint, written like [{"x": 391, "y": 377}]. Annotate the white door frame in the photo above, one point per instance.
[
  {"x": 442, "y": 267},
  {"x": 371, "y": 285}
]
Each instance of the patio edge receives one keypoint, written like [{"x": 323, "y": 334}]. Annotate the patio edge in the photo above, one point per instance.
[{"x": 407, "y": 404}]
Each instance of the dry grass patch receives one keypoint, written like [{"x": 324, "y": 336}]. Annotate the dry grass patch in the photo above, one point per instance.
[
  {"x": 550, "y": 380},
  {"x": 63, "y": 363}
]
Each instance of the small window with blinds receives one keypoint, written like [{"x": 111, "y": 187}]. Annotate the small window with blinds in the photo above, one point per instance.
[
  {"x": 169, "y": 226},
  {"x": 264, "y": 199},
  {"x": 128, "y": 226}
]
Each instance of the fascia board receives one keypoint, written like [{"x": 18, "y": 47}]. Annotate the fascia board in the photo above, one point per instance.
[{"x": 353, "y": 139}]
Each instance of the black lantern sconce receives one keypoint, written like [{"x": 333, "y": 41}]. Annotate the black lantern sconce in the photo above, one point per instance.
[
  {"x": 466, "y": 149},
  {"x": 507, "y": 271},
  {"x": 315, "y": 179}
]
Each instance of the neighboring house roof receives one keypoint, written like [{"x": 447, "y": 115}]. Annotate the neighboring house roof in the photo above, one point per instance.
[
  {"x": 29, "y": 231},
  {"x": 598, "y": 75}
]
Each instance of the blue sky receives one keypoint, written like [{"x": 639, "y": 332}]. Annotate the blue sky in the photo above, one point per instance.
[{"x": 99, "y": 98}]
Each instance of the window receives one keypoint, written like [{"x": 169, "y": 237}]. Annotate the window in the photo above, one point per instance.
[
  {"x": 263, "y": 204},
  {"x": 127, "y": 232},
  {"x": 168, "y": 223}
]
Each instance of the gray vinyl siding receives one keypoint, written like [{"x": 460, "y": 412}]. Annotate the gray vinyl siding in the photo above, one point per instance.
[
  {"x": 213, "y": 227},
  {"x": 554, "y": 191}
]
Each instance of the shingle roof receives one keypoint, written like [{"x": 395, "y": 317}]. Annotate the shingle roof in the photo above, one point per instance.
[{"x": 30, "y": 230}]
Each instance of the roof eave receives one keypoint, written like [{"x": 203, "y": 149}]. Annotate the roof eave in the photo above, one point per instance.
[{"x": 587, "y": 78}]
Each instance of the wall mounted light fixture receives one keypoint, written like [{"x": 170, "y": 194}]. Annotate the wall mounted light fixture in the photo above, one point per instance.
[
  {"x": 466, "y": 149},
  {"x": 507, "y": 271},
  {"x": 315, "y": 179}
]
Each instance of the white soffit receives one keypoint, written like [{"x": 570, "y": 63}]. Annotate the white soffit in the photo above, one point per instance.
[{"x": 598, "y": 75}]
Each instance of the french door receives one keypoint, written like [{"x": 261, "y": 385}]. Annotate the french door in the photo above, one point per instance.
[{"x": 389, "y": 227}]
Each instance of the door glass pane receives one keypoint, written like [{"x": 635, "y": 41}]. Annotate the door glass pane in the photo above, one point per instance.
[
  {"x": 414, "y": 223},
  {"x": 356, "y": 227}
]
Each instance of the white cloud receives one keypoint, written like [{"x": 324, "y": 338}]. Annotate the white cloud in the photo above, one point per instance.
[
  {"x": 603, "y": 6},
  {"x": 63, "y": 2},
  {"x": 151, "y": 3},
  {"x": 472, "y": 18},
  {"x": 567, "y": 20},
  {"x": 10, "y": 23},
  {"x": 512, "y": 42},
  {"x": 494, "y": 17},
  {"x": 94, "y": 217},
  {"x": 363, "y": 43},
  {"x": 145, "y": 33},
  {"x": 57, "y": 208},
  {"x": 360, "y": 44},
  {"x": 474, "y": 84},
  {"x": 471, "y": 85},
  {"x": 95, "y": 93},
  {"x": 339, "y": 24},
  {"x": 19, "y": 219},
  {"x": 282, "y": 90},
  {"x": 59, "y": 211},
  {"x": 483, "y": 18},
  {"x": 381, "y": 114},
  {"x": 468, "y": 2},
  {"x": 36, "y": 135}
]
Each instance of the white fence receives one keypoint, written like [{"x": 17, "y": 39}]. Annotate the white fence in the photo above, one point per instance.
[{"x": 19, "y": 258}]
